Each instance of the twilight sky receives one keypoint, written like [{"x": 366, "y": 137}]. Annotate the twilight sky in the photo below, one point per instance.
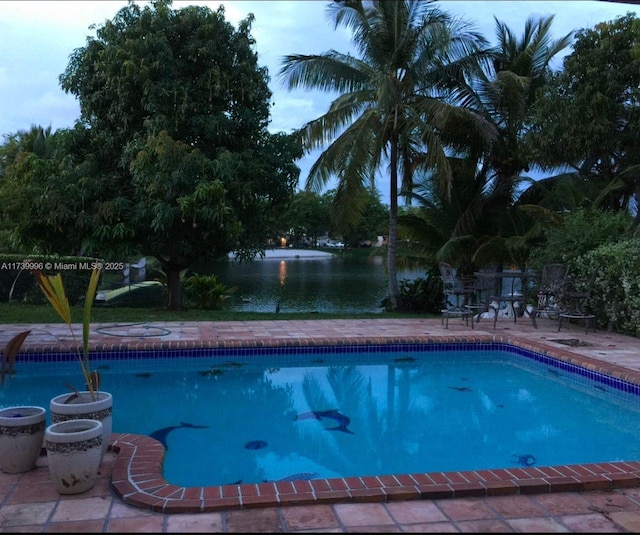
[{"x": 37, "y": 37}]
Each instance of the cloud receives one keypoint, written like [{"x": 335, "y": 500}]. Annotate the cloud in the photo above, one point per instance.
[{"x": 37, "y": 38}]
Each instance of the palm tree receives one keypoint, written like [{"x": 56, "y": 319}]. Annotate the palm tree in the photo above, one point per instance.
[
  {"x": 446, "y": 228},
  {"x": 506, "y": 93},
  {"x": 506, "y": 96},
  {"x": 37, "y": 140},
  {"x": 392, "y": 104},
  {"x": 33, "y": 208},
  {"x": 484, "y": 218}
]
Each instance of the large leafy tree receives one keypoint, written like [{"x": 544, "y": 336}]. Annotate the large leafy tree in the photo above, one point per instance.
[
  {"x": 38, "y": 205},
  {"x": 176, "y": 109},
  {"x": 371, "y": 224},
  {"x": 392, "y": 102},
  {"x": 589, "y": 114},
  {"x": 307, "y": 217}
]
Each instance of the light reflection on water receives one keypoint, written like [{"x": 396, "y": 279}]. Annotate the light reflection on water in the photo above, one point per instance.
[{"x": 331, "y": 284}]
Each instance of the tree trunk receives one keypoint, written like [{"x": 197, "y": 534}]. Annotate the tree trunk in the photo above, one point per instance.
[
  {"x": 174, "y": 288},
  {"x": 392, "y": 245}
]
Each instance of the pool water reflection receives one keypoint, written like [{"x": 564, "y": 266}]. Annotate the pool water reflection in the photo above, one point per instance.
[
  {"x": 248, "y": 416},
  {"x": 336, "y": 416}
]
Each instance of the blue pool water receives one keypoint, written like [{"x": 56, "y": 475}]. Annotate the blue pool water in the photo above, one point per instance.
[{"x": 325, "y": 412}]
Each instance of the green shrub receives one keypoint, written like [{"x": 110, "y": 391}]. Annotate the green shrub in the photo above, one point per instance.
[
  {"x": 420, "y": 295},
  {"x": 209, "y": 293},
  {"x": 614, "y": 270},
  {"x": 579, "y": 232}
]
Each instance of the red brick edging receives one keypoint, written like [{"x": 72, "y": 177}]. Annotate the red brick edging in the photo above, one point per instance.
[{"x": 137, "y": 480}]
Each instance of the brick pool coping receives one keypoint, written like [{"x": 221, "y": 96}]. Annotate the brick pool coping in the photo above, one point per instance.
[{"x": 137, "y": 473}]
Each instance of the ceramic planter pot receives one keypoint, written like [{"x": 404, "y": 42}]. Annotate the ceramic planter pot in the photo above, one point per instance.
[
  {"x": 83, "y": 407},
  {"x": 21, "y": 437},
  {"x": 74, "y": 453}
]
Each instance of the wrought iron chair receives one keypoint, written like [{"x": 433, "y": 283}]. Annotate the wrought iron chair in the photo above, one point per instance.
[
  {"x": 575, "y": 304},
  {"x": 552, "y": 284},
  {"x": 486, "y": 287},
  {"x": 456, "y": 292}
]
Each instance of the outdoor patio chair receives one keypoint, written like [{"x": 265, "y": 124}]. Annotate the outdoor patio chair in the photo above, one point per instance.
[
  {"x": 456, "y": 291},
  {"x": 552, "y": 283},
  {"x": 511, "y": 298},
  {"x": 575, "y": 302},
  {"x": 486, "y": 287}
]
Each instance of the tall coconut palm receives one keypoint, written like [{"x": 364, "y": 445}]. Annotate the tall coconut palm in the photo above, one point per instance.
[
  {"x": 490, "y": 225},
  {"x": 392, "y": 104},
  {"x": 506, "y": 95}
]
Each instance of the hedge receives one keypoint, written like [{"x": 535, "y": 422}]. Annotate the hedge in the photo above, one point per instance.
[{"x": 18, "y": 284}]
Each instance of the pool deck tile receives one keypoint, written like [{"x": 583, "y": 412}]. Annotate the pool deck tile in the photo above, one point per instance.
[{"x": 140, "y": 498}]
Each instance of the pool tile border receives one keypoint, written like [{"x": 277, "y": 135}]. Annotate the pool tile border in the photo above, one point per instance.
[{"x": 137, "y": 473}]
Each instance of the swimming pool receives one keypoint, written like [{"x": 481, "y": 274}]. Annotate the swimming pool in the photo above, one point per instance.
[{"x": 312, "y": 413}]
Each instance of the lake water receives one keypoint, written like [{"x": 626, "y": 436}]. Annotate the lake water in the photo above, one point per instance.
[{"x": 301, "y": 280}]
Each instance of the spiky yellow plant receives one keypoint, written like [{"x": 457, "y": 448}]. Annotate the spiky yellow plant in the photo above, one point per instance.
[{"x": 53, "y": 289}]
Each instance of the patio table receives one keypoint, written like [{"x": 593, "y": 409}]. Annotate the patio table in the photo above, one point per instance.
[{"x": 510, "y": 296}]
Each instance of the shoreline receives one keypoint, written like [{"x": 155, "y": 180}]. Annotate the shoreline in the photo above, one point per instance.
[{"x": 282, "y": 253}]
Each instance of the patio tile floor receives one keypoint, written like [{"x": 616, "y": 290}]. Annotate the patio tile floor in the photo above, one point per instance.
[{"x": 29, "y": 503}]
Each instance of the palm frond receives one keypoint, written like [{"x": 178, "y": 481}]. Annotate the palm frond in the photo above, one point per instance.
[
  {"x": 9, "y": 354},
  {"x": 331, "y": 72},
  {"x": 53, "y": 289}
]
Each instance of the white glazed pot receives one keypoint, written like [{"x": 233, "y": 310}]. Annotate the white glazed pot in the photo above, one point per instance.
[
  {"x": 83, "y": 408},
  {"x": 74, "y": 453},
  {"x": 21, "y": 437}
]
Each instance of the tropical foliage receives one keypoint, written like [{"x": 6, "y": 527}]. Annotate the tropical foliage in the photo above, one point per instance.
[
  {"x": 588, "y": 114},
  {"x": 37, "y": 200},
  {"x": 479, "y": 219},
  {"x": 614, "y": 275},
  {"x": 422, "y": 294},
  {"x": 392, "y": 103},
  {"x": 578, "y": 232},
  {"x": 9, "y": 354},
  {"x": 209, "y": 293}
]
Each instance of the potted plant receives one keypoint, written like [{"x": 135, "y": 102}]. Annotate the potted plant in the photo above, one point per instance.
[
  {"x": 21, "y": 427},
  {"x": 91, "y": 403},
  {"x": 21, "y": 437},
  {"x": 74, "y": 452}
]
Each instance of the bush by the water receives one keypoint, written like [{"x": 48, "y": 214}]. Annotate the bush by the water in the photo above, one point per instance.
[{"x": 420, "y": 295}]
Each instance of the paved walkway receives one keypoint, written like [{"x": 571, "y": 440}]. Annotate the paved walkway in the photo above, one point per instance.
[{"x": 29, "y": 502}]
